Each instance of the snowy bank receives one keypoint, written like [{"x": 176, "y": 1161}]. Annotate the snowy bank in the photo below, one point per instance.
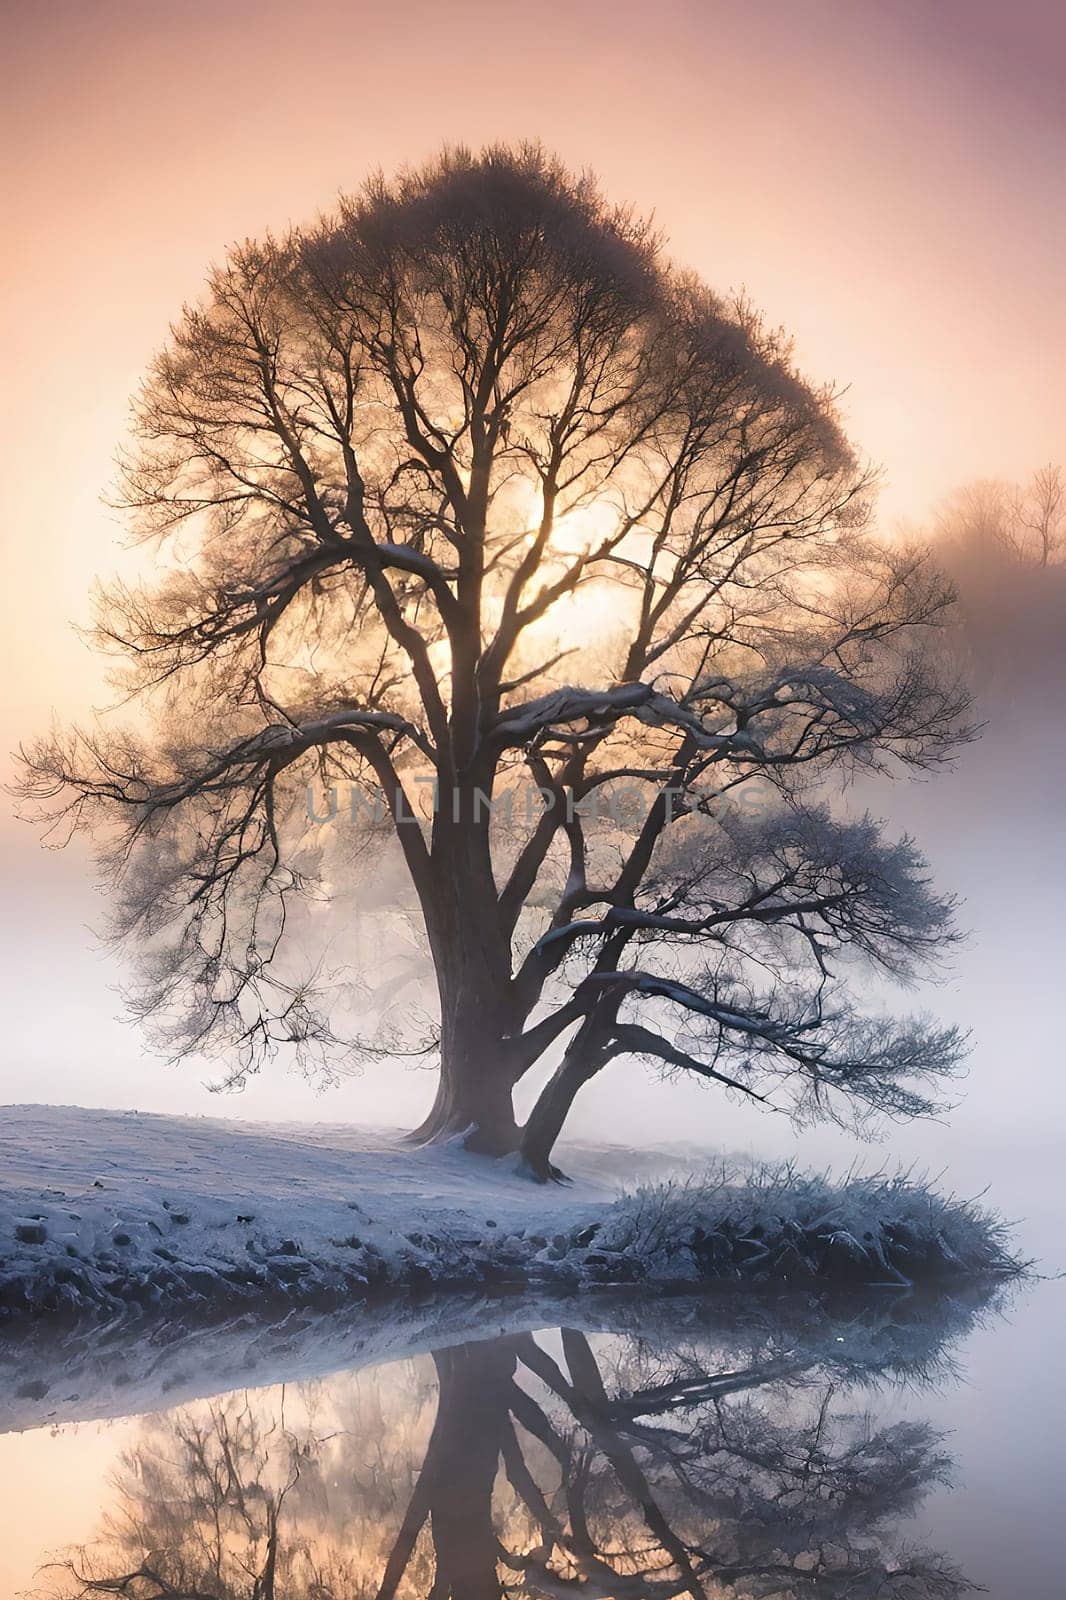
[{"x": 105, "y": 1212}]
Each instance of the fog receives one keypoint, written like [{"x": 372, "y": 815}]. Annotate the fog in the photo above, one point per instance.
[
  {"x": 992, "y": 828},
  {"x": 867, "y": 124}
]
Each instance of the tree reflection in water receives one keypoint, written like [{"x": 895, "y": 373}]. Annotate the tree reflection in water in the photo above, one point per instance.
[{"x": 536, "y": 1466}]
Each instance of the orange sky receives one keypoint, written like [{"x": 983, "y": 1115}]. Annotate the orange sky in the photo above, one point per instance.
[{"x": 885, "y": 177}]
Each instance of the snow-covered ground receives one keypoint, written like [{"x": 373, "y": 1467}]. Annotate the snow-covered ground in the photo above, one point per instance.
[
  {"x": 137, "y": 1199},
  {"x": 119, "y": 1213}
]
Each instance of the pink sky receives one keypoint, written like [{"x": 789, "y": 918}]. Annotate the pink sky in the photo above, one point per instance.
[{"x": 884, "y": 176}]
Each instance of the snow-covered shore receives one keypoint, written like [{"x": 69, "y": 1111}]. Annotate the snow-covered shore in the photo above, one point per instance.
[{"x": 111, "y": 1213}]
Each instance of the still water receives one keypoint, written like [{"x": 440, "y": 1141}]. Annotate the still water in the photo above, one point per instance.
[{"x": 719, "y": 1447}]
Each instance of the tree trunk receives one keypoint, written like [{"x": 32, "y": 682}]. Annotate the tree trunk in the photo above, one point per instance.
[
  {"x": 473, "y": 1095},
  {"x": 553, "y": 1107},
  {"x": 472, "y": 958},
  {"x": 454, "y": 1491},
  {"x": 472, "y": 1417},
  {"x": 476, "y": 1083}
]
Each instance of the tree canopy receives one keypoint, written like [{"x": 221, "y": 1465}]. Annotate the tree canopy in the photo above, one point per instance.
[{"x": 465, "y": 490}]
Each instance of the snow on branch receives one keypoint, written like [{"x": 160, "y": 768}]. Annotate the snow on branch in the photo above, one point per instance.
[{"x": 830, "y": 1060}]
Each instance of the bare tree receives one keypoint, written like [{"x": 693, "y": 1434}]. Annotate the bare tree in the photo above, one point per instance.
[
  {"x": 1038, "y": 518},
  {"x": 466, "y": 487},
  {"x": 1004, "y": 547},
  {"x": 1026, "y": 521}
]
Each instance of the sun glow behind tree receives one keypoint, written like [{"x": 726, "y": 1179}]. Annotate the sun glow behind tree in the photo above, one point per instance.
[{"x": 467, "y": 484}]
